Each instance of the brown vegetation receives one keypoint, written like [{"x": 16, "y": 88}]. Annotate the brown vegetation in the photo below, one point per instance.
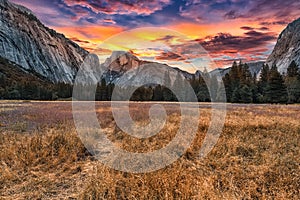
[{"x": 256, "y": 157}]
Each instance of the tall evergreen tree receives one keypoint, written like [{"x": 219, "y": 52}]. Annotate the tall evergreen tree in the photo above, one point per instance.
[
  {"x": 103, "y": 90},
  {"x": 245, "y": 94},
  {"x": 276, "y": 90},
  {"x": 110, "y": 89},
  {"x": 202, "y": 92},
  {"x": 292, "y": 83},
  {"x": 235, "y": 75},
  {"x": 263, "y": 82},
  {"x": 157, "y": 93},
  {"x": 292, "y": 70},
  {"x": 195, "y": 83},
  {"x": 228, "y": 87},
  {"x": 238, "y": 82},
  {"x": 213, "y": 88},
  {"x": 236, "y": 97},
  {"x": 246, "y": 76}
]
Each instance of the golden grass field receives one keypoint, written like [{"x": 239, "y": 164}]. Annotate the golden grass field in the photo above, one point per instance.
[{"x": 257, "y": 155}]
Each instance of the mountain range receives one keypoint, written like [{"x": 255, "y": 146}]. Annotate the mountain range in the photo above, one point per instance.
[{"x": 35, "y": 49}]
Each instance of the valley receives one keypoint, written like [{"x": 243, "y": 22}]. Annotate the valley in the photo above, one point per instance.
[
  {"x": 230, "y": 70},
  {"x": 256, "y": 156}
]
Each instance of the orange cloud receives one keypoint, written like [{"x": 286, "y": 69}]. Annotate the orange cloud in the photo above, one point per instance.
[
  {"x": 89, "y": 37},
  {"x": 195, "y": 31},
  {"x": 240, "y": 43}
]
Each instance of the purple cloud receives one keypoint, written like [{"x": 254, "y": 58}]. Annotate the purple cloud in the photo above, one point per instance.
[{"x": 138, "y": 7}]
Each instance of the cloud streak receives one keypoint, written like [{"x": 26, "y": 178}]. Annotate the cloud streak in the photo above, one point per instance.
[
  {"x": 137, "y": 7},
  {"x": 227, "y": 29},
  {"x": 226, "y": 41},
  {"x": 255, "y": 10}
]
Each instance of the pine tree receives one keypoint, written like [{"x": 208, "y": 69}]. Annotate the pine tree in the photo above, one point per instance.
[
  {"x": 292, "y": 83},
  {"x": 263, "y": 82},
  {"x": 157, "y": 93},
  {"x": 213, "y": 88},
  {"x": 110, "y": 89},
  {"x": 246, "y": 82},
  {"x": 254, "y": 91},
  {"x": 245, "y": 94},
  {"x": 228, "y": 87},
  {"x": 103, "y": 90},
  {"x": 202, "y": 91},
  {"x": 276, "y": 90},
  {"x": 264, "y": 76},
  {"x": 292, "y": 70},
  {"x": 238, "y": 77},
  {"x": 246, "y": 76},
  {"x": 236, "y": 97},
  {"x": 234, "y": 70}
]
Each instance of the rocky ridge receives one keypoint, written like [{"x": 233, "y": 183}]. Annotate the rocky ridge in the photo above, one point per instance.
[
  {"x": 25, "y": 41},
  {"x": 287, "y": 48}
]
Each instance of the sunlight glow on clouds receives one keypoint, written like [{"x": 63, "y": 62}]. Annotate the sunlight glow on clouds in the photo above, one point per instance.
[{"x": 227, "y": 29}]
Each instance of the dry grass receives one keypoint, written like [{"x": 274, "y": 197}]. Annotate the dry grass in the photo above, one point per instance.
[{"x": 256, "y": 157}]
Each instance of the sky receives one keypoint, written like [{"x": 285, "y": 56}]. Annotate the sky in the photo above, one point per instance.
[{"x": 180, "y": 32}]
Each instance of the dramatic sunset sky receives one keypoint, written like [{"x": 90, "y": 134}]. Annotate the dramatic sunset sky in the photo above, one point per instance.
[{"x": 227, "y": 29}]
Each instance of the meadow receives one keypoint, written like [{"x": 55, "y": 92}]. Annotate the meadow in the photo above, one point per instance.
[{"x": 256, "y": 157}]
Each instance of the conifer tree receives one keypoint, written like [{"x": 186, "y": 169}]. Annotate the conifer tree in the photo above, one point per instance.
[
  {"x": 228, "y": 87},
  {"x": 263, "y": 82},
  {"x": 245, "y": 94},
  {"x": 276, "y": 90},
  {"x": 292, "y": 70},
  {"x": 195, "y": 83},
  {"x": 213, "y": 88},
  {"x": 202, "y": 92},
  {"x": 157, "y": 93},
  {"x": 235, "y": 96},
  {"x": 246, "y": 76},
  {"x": 103, "y": 90},
  {"x": 292, "y": 83}
]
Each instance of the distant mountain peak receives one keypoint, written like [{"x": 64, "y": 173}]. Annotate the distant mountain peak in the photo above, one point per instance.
[{"x": 122, "y": 61}]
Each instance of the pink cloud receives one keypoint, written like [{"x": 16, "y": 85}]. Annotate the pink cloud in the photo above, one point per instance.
[{"x": 139, "y": 7}]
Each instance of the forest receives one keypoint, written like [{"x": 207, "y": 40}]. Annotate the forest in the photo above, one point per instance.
[{"x": 240, "y": 85}]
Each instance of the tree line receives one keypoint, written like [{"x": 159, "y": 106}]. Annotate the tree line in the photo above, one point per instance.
[
  {"x": 271, "y": 87},
  {"x": 239, "y": 84}
]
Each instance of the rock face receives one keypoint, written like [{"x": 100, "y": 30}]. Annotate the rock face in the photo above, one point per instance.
[
  {"x": 124, "y": 63},
  {"x": 287, "y": 48},
  {"x": 118, "y": 64},
  {"x": 121, "y": 62},
  {"x": 25, "y": 41},
  {"x": 148, "y": 74}
]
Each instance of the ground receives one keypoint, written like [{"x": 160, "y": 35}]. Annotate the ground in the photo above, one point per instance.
[{"x": 256, "y": 157}]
